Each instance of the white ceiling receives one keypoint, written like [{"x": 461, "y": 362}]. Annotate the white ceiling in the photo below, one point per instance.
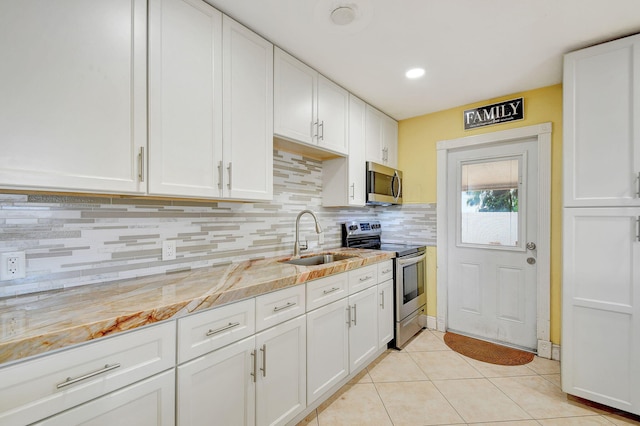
[{"x": 472, "y": 50}]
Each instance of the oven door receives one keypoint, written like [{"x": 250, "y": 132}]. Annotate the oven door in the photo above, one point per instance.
[{"x": 410, "y": 284}]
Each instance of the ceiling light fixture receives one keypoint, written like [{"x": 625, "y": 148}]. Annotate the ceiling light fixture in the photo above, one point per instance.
[
  {"x": 414, "y": 73},
  {"x": 343, "y": 15}
]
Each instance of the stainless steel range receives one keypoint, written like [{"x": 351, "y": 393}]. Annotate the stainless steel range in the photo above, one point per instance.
[{"x": 410, "y": 267}]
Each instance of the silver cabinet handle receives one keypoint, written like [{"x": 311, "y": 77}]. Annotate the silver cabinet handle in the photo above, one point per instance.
[
  {"x": 254, "y": 373},
  {"x": 368, "y": 277},
  {"x": 382, "y": 299},
  {"x": 263, "y": 349},
  {"x": 288, "y": 305},
  {"x": 386, "y": 271},
  {"x": 71, "y": 381},
  {"x": 221, "y": 329},
  {"x": 220, "y": 177},
  {"x": 314, "y": 129},
  {"x": 355, "y": 315},
  {"x": 331, "y": 290},
  {"x": 638, "y": 186},
  {"x": 229, "y": 170},
  {"x": 321, "y": 126},
  {"x": 141, "y": 164},
  {"x": 349, "y": 316},
  {"x": 638, "y": 229},
  {"x": 353, "y": 191}
]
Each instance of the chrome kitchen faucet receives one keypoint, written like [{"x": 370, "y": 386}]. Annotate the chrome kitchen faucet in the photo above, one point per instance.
[{"x": 296, "y": 245}]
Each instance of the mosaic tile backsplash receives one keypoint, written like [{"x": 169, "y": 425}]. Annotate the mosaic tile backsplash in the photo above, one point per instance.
[{"x": 82, "y": 240}]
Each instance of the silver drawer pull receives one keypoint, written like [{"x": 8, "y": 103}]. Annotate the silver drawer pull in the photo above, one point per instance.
[
  {"x": 386, "y": 271},
  {"x": 71, "y": 381},
  {"x": 368, "y": 277},
  {"x": 221, "y": 329},
  {"x": 263, "y": 349},
  {"x": 288, "y": 305},
  {"x": 331, "y": 290}
]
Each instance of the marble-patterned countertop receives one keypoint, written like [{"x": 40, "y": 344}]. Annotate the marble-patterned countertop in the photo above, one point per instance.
[{"x": 42, "y": 322}]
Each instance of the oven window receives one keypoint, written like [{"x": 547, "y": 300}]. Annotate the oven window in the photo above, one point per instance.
[{"x": 412, "y": 281}]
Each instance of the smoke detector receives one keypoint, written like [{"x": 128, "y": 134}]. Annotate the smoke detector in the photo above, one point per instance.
[{"x": 343, "y": 15}]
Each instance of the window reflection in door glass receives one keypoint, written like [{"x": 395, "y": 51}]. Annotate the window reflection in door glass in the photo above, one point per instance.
[{"x": 489, "y": 202}]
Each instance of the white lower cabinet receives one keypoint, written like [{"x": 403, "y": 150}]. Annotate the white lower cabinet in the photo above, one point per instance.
[
  {"x": 327, "y": 348},
  {"x": 281, "y": 373},
  {"x": 150, "y": 402},
  {"x": 219, "y": 387},
  {"x": 363, "y": 331},
  {"x": 385, "y": 313}
]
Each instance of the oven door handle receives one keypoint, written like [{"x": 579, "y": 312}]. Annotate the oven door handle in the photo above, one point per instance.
[{"x": 406, "y": 261}]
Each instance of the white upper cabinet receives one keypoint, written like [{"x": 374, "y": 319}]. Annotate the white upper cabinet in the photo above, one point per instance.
[
  {"x": 381, "y": 138},
  {"x": 210, "y": 104},
  {"x": 185, "y": 98},
  {"x": 247, "y": 113},
  {"x": 343, "y": 179},
  {"x": 308, "y": 107},
  {"x": 602, "y": 125},
  {"x": 73, "y": 84}
]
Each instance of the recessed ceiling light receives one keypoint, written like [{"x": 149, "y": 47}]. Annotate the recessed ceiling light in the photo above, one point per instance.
[
  {"x": 343, "y": 15},
  {"x": 415, "y": 73}
]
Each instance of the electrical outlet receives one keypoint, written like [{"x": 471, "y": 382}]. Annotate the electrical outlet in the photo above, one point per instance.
[
  {"x": 12, "y": 265},
  {"x": 168, "y": 250}
]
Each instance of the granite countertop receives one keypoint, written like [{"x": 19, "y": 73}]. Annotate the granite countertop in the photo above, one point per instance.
[{"x": 51, "y": 320}]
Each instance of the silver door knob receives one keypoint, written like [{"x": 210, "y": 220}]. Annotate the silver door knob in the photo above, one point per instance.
[
  {"x": 531, "y": 261},
  {"x": 531, "y": 246}
]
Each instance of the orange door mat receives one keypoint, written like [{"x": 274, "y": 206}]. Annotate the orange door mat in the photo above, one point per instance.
[{"x": 485, "y": 351}]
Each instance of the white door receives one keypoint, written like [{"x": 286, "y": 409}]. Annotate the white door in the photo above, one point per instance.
[
  {"x": 333, "y": 116},
  {"x": 363, "y": 333},
  {"x": 492, "y": 235}
]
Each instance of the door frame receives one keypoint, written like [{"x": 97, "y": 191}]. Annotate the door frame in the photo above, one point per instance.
[{"x": 543, "y": 134}]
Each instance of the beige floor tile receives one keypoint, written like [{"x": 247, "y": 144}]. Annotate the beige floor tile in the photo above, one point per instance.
[
  {"x": 510, "y": 423},
  {"x": 493, "y": 370},
  {"x": 444, "y": 365},
  {"x": 576, "y": 421},
  {"x": 544, "y": 366},
  {"x": 354, "y": 405},
  {"x": 426, "y": 341},
  {"x": 553, "y": 378},
  {"x": 361, "y": 377},
  {"x": 541, "y": 398},
  {"x": 396, "y": 367},
  {"x": 416, "y": 403},
  {"x": 623, "y": 419},
  {"x": 479, "y": 400}
]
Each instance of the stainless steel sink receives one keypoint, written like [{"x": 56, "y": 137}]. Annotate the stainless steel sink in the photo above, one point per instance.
[{"x": 319, "y": 259}]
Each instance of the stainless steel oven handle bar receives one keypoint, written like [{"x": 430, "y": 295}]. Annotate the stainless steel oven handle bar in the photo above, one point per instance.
[{"x": 410, "y": 260}]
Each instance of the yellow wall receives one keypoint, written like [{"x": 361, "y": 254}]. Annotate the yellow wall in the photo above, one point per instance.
[{"x": 417, "y": 159}]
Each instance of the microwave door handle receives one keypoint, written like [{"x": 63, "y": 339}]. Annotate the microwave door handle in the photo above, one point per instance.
[
  {"x": 396, "y": 178},
  {"x": 411, "y": 260}
]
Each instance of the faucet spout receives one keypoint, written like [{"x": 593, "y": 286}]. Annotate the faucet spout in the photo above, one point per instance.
[{"x": 296, "y": 245}]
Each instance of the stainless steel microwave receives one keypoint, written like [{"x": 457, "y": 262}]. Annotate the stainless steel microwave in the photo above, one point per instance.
[{"x": 384, "y": 185}]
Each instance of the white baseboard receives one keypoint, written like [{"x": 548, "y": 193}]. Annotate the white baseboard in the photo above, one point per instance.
[{"x": 432, "y": 323}]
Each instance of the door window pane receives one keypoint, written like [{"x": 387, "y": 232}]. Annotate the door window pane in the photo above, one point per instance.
[{"x": 489, "y": 202}]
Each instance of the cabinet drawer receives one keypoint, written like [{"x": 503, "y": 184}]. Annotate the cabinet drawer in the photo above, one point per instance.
[
  {"x": 206, "y": 331},
  {"x": 361, "y": 278},
  {"x": 36, "y": 389},
  {"x": 385, "y": 270},
  {"x": 279, "y": 306},
  {"x": 326, "y": 290}
]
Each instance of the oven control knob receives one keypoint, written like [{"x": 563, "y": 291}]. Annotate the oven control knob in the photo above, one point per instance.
[{"x": 353, "y": 227}]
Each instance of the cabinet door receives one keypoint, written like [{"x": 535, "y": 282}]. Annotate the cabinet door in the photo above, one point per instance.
[
  {"x": 602, "y": 125},
  {"x": 219, "y": 388},
  {"x": 601, "y": 306},
  {"x": 385, "y": 313},
  {"x": 73, "y": 110},
  {"x": 247, "y": 113},
  {"x": 185, "y": 98},
  {"x": 374, "y": 134},
  {"x": 150, "y": 402},
  {"x": 390, "y": 142},
  {"x": 363, "y": 334},
  {"x": 294, "y": 95},
  {"x": 327, "y": 348},
  {"x": 357, "y": 166},
  {"x": 332, "y": 116},
  {"x": 281, "y": 383}
]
